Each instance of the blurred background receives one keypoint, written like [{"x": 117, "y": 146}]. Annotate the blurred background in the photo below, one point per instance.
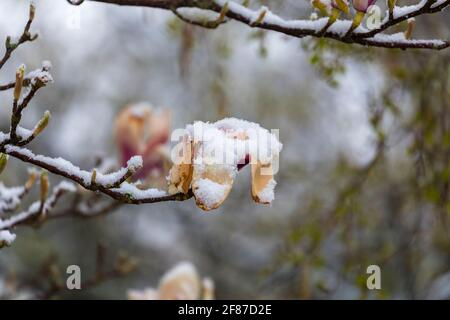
[{"x": 364, "y": 173}]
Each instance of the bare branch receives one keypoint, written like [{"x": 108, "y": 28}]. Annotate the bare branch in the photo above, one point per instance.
[{"x": 26, "y": 36}]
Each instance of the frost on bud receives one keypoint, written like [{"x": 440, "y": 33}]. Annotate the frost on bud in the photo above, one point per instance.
[
  {"x": 19, "y": 82},
  {"x": 44, "y": 186},
  {"x": 42, "y": 124},
  {"x": 3, "y": 161},
  {"x": 341, "y": 5},
  {"x": 409, "y": 28}
]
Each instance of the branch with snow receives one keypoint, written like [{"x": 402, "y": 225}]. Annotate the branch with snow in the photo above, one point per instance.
[
  {"x": 36, "y": 212},
  {"x": 210, "y": 14},
  {"x": 203, "y": 173},
  {"x": 12, "y": 144}
]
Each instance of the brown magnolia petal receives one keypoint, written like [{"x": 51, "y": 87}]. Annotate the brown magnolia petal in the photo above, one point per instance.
[
  {"x": 180, "y": 175},
  {"x": 211, "y": 185},
  {"x": 262, "y": 182}
]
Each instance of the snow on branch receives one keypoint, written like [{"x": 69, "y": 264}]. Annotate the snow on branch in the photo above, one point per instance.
[
  {"x": 36, "y": 212},
  {"x": 206, "y": 170},
  {"x": 212, "y": 13}
]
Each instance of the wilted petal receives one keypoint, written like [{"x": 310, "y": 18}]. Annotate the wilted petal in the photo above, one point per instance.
[
  {"x": 263, "y": 184},
  {"x": 180, "y": 175},
  {"x": 211, "y": 185}
]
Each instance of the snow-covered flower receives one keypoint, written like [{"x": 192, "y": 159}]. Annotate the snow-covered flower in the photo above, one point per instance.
[
  {"x": 182, "y": 282},
  {"x": 362, "y": 5},
  {"x": 208, "y": 157},
  {"x": 143, "y": 130}
]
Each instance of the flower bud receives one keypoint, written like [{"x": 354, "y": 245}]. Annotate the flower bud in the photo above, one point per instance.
[
  {"x": 409, "y": 28},
  {"x": 362, "y": 5},
  {"x": 321, "y": 6},
  {"x": 3, "y": 161},
  {"x": 44, "y": 186},
  {"x": 42, "y": 124},
  {"x": 31, "y": 180},
  {"x": 32, "y": 10},
  {"x": 19, "y": 82},
  {"x": 341, "y": 5}
]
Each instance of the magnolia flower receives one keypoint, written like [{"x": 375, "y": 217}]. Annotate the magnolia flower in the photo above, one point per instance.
[
  {"x": 362, "y": 5},
  {"x": 180, "y": 283},
  {"x": 209, "y": 156},
  {"x": 143, "y": 130}
]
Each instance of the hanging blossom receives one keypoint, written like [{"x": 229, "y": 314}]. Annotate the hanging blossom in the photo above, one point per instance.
[
  {"x": 182, "y": 282},
  {"x": 209, "y": 155},
  {"x": 143, "y": 130}
]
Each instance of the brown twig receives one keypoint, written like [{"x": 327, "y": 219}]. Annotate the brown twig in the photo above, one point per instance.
[
  {"x": 300, "y": 28},
  {"x": 26, "y": 36}
]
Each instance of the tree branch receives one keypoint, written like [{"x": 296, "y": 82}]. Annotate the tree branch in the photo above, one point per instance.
[{"x": 340, "y": 30}]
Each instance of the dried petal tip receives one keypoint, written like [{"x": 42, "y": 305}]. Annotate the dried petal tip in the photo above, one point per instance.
[{"x": 263, "y": 184}]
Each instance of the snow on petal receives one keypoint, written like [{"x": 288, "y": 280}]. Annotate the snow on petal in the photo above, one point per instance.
[{"x": 217, "y": 152}]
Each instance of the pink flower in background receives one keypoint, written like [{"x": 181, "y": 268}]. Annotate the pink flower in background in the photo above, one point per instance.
[
  {"x": 362, "y": 5},
  {"x": 143, "y": 130}
]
